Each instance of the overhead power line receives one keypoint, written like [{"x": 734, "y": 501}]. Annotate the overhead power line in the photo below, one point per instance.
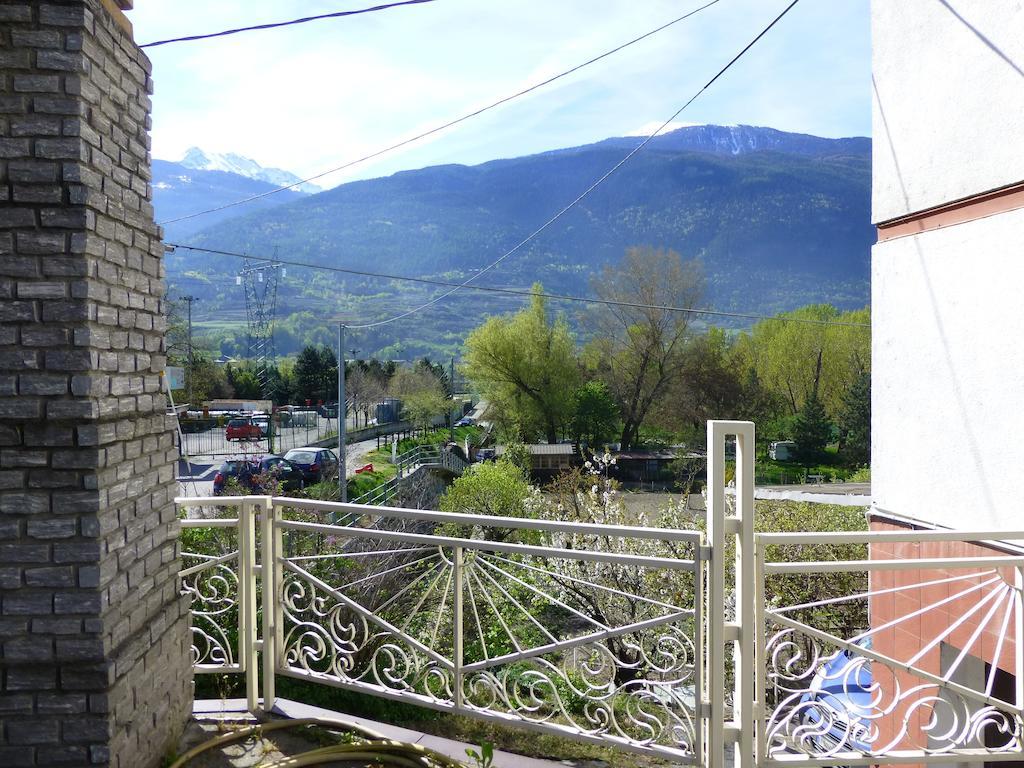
[
  {"x": 514, "y": 291},
  {"x": 275, "y": 24},
  {"x": 533, "y": 235},
  {"x": 443, "y": 126}
]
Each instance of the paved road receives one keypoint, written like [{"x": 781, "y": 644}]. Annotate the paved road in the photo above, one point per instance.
[{"x": 355, "y": 454}]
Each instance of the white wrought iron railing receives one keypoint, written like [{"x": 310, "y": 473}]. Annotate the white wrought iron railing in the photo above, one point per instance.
[
  {"x": 447, "y": 611},
  {"x": 822, "y": 649},
  {"x": 918, "y": 662}
]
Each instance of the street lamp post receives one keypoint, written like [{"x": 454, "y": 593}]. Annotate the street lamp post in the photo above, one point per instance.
[
  {"x": 451, "y": 406},
  {"x": 342, "y": 414},
  {"x": 191, "y": 358}
]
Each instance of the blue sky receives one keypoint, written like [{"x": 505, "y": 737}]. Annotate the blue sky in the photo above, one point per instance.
[{"x": 312, "y": 96}]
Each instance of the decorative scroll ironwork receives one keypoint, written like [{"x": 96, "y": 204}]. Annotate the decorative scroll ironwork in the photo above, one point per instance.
[
  {"x": 540, "y": 642},
  {"x": 325, "y": 638},
  {"x": 578, "y": 687},
  {"x": 835, "y": 698},
  {"x": 213, "y": 590}
]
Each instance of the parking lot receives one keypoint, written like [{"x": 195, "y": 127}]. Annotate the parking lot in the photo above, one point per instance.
[{"x": 204, "y": 452}]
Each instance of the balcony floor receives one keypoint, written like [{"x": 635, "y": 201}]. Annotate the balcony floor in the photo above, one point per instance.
[{"x": 208, "y": 713}]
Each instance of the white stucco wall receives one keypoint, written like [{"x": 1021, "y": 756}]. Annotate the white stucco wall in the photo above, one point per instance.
[
  {"x": 948, "y": 78},
  {"x": 948, "y": 373}
]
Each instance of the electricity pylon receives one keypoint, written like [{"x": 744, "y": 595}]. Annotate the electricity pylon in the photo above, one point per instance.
[{"x": 260, "y": 283}]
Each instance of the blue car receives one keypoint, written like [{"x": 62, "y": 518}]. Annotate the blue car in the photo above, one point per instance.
[
  {"x": 315, "y": 464},
  {"x": 838, "y": 704}
]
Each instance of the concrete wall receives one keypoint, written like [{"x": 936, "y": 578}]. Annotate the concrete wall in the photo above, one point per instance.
[
  {"x": 948, "y": 78},
  {"x": 95, "y": 663},
  {"x": 948, "y": 373},
  {"x": 947, "y": 312}
]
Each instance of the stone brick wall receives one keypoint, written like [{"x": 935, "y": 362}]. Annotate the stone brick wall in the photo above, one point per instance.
[{"x": 95, "y": 642}]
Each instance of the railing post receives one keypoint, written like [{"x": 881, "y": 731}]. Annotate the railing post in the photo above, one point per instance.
[
  {"x": 760, "y": 662},
  {"x": 745, "y": 704},
  {"x": 742, "y": 630},
  {"x": 247, "y": 604},
  {"x": 457, "y": 626},
  {"x": 1018, "y": 639},
  {"x": 713, "y": 698},
  {"x": 279, "y": 555},
  {"x": 699, "y": 657},
  {"x": 270, "y": 600}
]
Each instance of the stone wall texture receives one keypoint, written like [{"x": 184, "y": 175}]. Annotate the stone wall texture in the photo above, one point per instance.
[{"x": 95, "y": 666}]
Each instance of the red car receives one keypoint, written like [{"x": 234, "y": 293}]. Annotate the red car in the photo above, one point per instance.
[{"x": 243, "y": 429}]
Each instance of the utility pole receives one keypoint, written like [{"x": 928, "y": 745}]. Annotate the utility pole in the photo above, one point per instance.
[
  {"x": 191, "y": 359},
  {"x": 451, "y": 389},
  {"x": 342, "y": 414},
  {"x": 353, "y": 352}
]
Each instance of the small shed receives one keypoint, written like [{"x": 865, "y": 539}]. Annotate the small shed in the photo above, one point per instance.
[
  {"x": 388, "y": 410},
  {"x": 548, "y": 459},
  {"x": 644, "y": 465}
]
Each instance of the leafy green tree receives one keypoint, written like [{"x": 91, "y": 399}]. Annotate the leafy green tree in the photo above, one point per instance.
[
  {"x": 422, "y": 394},
  {"x": 519, "y": 455},
  {"x": 820, "y": 358},
  {"x": 206, "y": 379},
  {"x": 595, "y": 415},
  {"x": 307, "y": 374},
  {"x": 525, "y": 365},
  {"x": 421, "y": 408},
  {"x": 176, "y": 335},
  {"x": 710, "y": 386},
  {"x": 639, "y": 344},
  {"x": 438, "y": 371},
  {"x": 315, "y": 374},
  {"x": 279, "y": 385},
  {"x": 382, "y": 370},
  {"x": 329, "y": 373},
  {"x": 284, "y": 382},
  {"x": 812, "y": 430},
  {"x": 365, "y": 386},
  {"x": 496, "y": 488},
  {"x": 243, "y": 379},
  {"x": 855, "y": 421}
]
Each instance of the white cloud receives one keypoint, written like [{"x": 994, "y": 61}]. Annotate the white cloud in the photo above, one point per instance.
[{"x": 312, "y": 96}]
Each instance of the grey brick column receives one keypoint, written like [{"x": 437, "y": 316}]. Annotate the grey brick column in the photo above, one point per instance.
[{"x": 95, "y": 642}]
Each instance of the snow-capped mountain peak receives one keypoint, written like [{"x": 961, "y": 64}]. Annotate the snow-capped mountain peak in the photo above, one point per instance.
[{"x": 230, "y": 162}]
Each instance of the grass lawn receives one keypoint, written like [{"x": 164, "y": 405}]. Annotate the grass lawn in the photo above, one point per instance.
[
  {"x": 772, "y": 472},
  {"x": 439, "y": 437}
]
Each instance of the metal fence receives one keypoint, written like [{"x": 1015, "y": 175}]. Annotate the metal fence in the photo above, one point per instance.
[
  {"x": 437, "y": 609},
  {"x": 817, "y": 649},
  {"x": 296, "y": 431}
]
